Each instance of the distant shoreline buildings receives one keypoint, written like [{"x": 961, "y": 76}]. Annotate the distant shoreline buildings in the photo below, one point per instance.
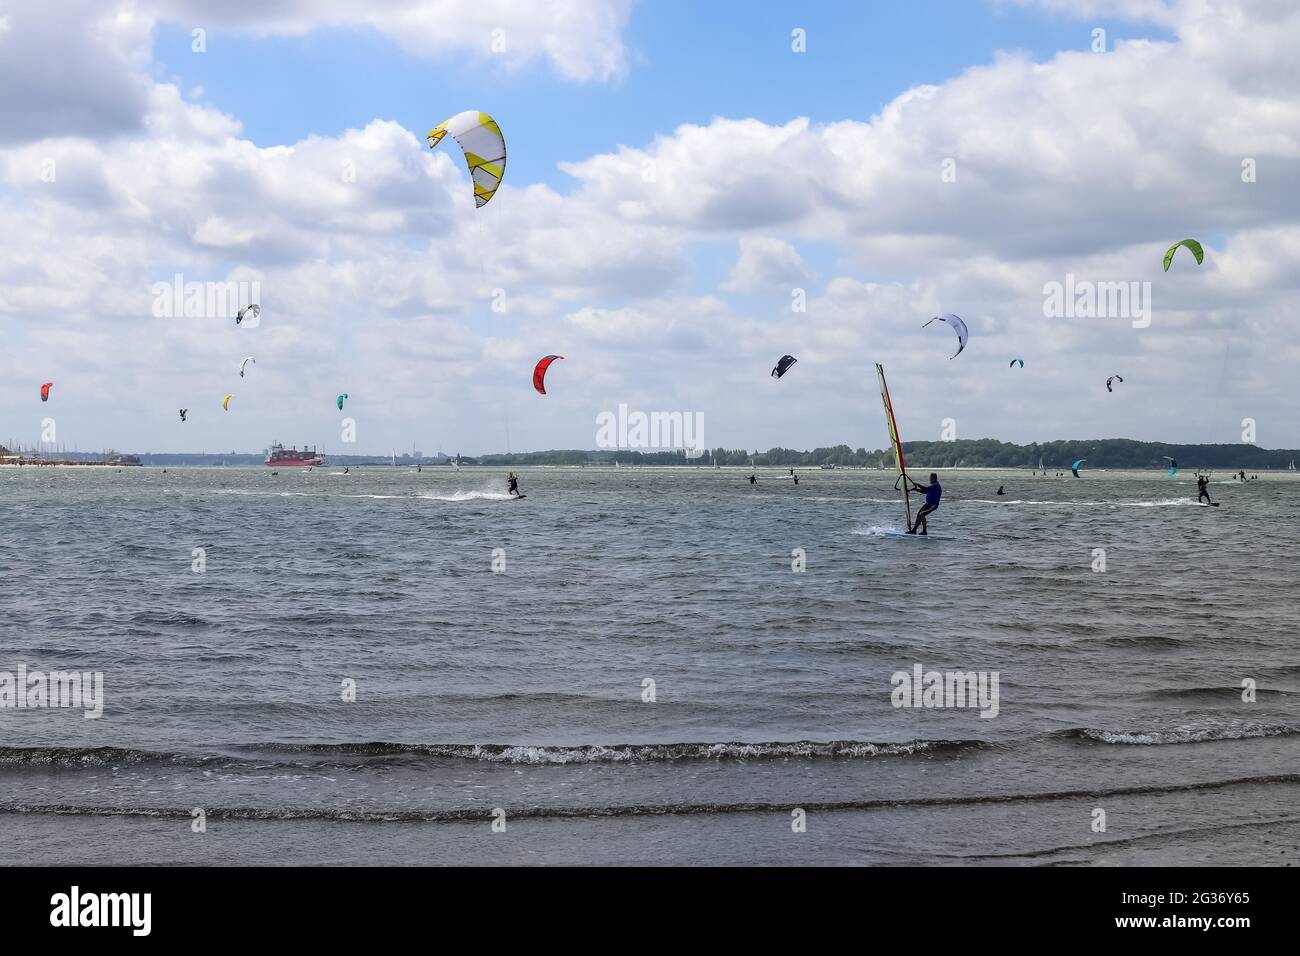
[{"x": 38, "y": 460}]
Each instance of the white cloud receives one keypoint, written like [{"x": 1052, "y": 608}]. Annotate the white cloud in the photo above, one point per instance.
[
  {"x": 77, "y": 68},
  {"x": 380, "y": 284},
  {"x": 578, "y": 39},
  {"x": 765, "y": 263},
  {"x": 80, "y": 67},
  {"x": 1155, "y": 11}
]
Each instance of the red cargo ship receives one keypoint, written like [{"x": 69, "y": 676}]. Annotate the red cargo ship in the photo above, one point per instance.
[{"x": 293, "y": 458}]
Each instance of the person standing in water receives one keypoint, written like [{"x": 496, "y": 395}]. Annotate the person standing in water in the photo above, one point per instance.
[
  {"x": 753, "y": 479},
  {"x": 1202, "y": 491},
  {"x": 933, "y": 492},
  {"x": 512, "y": 483}
]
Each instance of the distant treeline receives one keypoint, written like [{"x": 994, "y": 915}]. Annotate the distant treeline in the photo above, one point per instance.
[
  {"x": 977, "y": 453},
  {"x": 1103, "y": 453}
]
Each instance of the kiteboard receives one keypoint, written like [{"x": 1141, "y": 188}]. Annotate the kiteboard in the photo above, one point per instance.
[
  {"x": 518, "y": 497},
  {"x": 904, "y": 534}
]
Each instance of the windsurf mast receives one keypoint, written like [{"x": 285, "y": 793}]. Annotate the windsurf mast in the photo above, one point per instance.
[{"x": 894, "y": 441}]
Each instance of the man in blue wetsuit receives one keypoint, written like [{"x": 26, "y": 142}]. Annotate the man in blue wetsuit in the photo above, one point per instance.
[{"x": 933, "y": 492}]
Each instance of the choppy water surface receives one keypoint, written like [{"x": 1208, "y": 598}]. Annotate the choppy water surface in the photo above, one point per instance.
[{"x": 1119, "y": 690}]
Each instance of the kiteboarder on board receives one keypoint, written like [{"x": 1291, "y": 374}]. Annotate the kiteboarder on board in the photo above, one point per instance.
[
  {"x": 513, "y": 481},
  {"x": 933, "y": 492},
  {"x": 1203, "y": 492}
]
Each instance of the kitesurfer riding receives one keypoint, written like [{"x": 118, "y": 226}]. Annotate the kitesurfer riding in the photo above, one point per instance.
[
  {"x": 1202, "y": 491},
  {"x": 933, "y": 492},
  {"x": 513, "y": 480},
  {"x": 1000, "y": 491}
]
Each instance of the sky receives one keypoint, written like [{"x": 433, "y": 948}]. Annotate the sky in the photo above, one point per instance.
[{"x": 691, "y": 192}]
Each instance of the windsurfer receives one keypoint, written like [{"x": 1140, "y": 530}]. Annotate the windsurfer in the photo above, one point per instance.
[{"x": 933, "y": 492}]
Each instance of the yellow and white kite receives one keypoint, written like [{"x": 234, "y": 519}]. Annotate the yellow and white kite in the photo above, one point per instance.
[{"x": 484, "y": 146}]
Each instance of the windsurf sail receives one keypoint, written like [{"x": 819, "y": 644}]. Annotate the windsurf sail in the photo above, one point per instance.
[{"x": 894, "y": 441}]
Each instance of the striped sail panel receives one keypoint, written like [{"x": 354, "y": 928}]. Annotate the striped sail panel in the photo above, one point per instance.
[{"x": 894, "y": 440}]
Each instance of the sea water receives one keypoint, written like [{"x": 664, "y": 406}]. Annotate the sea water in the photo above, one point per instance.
[{"x": 648, "y": 665}]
